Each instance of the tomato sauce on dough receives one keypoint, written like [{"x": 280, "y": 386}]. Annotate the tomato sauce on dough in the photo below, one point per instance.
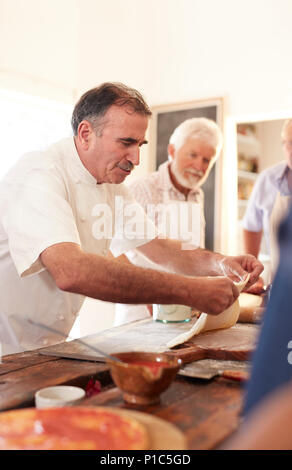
[{"x": 69, "y": 428}]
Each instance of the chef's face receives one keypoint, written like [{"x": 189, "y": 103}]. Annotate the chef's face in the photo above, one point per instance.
[
  {"x": 113, "y": 149},
  {"x": 287, "y": 144},
  {"x": 192, "y": 162}
]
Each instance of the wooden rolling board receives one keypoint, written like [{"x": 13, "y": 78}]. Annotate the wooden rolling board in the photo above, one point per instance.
[
  {"x": 236, "y": 343},
  {"x": 147, "y": 335},
  {"x": 14, "y": 362}
]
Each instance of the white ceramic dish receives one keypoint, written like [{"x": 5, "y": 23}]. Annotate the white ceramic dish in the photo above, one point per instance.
[{"x": 61, "y": 395}]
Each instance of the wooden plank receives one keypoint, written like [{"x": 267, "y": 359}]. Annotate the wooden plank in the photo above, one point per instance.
[
  {"x": 207, "y": 413},
  {"x": 13, "y": 362},
  {"x": 235, "y": 343},
  {"x": 17, "y": 388}
]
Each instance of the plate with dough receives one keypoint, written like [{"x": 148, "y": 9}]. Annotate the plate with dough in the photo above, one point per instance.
[{"x": 86, "y": 428}]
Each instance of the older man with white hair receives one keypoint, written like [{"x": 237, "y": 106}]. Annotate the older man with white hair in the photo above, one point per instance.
[{"x": 193, "y": 149}]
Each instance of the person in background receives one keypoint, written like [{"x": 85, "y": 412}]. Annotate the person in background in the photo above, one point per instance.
[
  {"x": 268, "y": 204},
  {"x": 193, "y": 149},
  {"x": 272, "y": 361}
]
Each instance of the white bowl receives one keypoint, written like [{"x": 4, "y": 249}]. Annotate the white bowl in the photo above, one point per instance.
[{"x": 61, "y": 395}]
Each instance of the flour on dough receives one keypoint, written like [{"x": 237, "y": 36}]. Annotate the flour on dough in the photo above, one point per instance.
[{"x": 207, "y": 322}]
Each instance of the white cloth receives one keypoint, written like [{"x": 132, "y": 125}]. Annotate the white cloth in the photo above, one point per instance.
[
  {"x": 157, "y": 188},
  {"x": 8, "y": 342},
  {"x": 47, "y": 198}
]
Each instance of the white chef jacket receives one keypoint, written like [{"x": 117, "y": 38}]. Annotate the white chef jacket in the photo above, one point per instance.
[
  {"x": 47, "y": 198},
  {"x": 157, "y": 188}
]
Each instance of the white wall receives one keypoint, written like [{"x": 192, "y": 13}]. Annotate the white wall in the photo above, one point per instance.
[
  {"x": 171, "y": 50},
  {"x": 38, "y": 44},
  {"x": 177, "y": 50}
]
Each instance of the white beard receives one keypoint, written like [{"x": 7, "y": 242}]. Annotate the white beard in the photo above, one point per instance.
[{"x": 194, "y": 181}]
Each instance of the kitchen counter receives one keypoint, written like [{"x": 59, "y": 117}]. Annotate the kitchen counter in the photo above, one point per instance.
[{"x": 206, "y": 411}]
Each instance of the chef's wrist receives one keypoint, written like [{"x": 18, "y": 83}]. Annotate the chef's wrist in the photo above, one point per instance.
[
  {"x": 208, "y": 263},
  {"x": 217, "y": 265}
]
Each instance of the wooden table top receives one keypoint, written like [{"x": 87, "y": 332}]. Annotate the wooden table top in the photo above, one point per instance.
[{"x": 207, "y": 412}]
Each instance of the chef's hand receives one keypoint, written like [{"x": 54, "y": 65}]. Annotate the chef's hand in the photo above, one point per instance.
[
  {"x": 257, "y": 288},
  {"x": 215, "y": 294},
  {"x": 237, "y": 267}
]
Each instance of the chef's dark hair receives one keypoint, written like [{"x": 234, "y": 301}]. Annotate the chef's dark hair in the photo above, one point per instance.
[{"x": 94, "y": 103}]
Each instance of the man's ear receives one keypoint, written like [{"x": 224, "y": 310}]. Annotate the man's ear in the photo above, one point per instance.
[
  {"x": 171, "y": 150},
  {"x": 84, "y": 132}
]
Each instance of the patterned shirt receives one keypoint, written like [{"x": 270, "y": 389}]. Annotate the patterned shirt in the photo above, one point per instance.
[{"x": 156, "y": 188}]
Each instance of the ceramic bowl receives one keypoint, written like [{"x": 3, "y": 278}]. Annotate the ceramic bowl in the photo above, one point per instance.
[
  {"x": 143, "y": 376},
  {"x": 61, "y": 395}
]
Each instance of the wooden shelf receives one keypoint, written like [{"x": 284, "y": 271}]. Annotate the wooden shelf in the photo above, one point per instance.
[
  {"x": 242, "y": 202},
  {"x": 249, "y": 145},
  {"x": 248, "y": 175}
]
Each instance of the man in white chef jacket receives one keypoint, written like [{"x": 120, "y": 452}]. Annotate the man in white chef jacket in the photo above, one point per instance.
[
  {"x": 53, "y": 249},
  {"x": 175, "y": 191}
]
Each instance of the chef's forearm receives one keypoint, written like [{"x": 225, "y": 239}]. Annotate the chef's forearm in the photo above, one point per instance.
[
  {"x": 124, "y": 283},
  {"x": 252, "y": 242},
  {"x": 96, "y": 276}
]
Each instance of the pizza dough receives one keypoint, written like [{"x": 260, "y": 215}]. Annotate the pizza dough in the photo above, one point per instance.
[
  {"x": 207, "y": 322},
  {"x": 71, "y": 428},
  {"x": 249, "y": 305}
]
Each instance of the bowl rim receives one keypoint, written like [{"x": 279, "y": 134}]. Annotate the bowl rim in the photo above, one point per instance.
[
  {"x": 79, "y": 393},
  {"x": 177, "y": 362}
]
